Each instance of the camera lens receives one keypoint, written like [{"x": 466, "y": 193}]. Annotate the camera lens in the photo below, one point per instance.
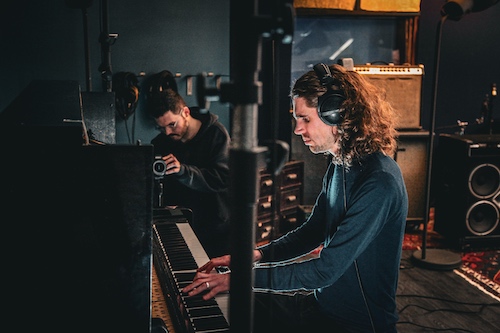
[{"x": 159, "y": 168}]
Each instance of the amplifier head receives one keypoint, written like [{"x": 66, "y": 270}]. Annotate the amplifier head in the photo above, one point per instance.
[{"x": 403, "y": 86}]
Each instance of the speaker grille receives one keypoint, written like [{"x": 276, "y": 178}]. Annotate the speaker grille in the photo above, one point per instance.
[
  {"x": 403, "y": 88},
  {"x": 411, "y": 156}
]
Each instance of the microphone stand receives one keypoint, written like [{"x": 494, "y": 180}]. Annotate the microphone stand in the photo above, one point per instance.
[
  {"x": 246, "y": 157},
  {"x": 437, "y": 259},
  {"x": 83, "y": 5},
  {"x": 106, "y": 40}
]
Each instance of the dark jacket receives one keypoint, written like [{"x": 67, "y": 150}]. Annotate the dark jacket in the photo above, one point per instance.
[
  {"x": 202, "y": 184},
  {"x": 359, "y": 217}
]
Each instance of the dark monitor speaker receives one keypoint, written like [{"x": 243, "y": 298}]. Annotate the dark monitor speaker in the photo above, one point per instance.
[{"x": 467, "y": 211}]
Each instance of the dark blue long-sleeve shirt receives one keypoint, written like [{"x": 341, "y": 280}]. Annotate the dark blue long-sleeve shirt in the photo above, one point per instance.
[{"x": 359, "y": 217}]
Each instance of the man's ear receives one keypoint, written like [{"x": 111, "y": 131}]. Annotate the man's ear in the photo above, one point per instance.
[
  {"x": 335, "y": 130},
  {"x": 185, "y": 112}
]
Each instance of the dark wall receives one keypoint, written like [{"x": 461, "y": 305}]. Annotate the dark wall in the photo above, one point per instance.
[
  {"x": 45, "y": 40},
  {"x": 469, "y": 64}
]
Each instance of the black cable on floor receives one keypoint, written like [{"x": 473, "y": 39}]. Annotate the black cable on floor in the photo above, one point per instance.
[{"x": 434, "y": 329}]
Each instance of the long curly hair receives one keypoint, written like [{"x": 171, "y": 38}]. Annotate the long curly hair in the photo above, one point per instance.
[{"x": 368, "y": 119}]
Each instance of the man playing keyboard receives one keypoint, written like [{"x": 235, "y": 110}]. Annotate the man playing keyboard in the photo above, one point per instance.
[{"x": 358, "y": 219}]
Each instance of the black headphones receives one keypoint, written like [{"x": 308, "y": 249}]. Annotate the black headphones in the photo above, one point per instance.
[
  {"x": 160, "y": 82},
  {"x": 126, "y": 88},
  {"x": 330, "y": 109}
]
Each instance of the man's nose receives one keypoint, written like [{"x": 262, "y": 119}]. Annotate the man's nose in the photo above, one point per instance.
[{"x": 298, "y": 129}]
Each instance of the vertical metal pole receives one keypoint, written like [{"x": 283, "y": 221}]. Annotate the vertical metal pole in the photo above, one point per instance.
[
  {"x": 244, "y": 160},
  {"x": 432, "y": 125},
  {"x": 88, "y": 76},
  {"x": 438, "y": 259},
  {"x": 104, "y": 39}
]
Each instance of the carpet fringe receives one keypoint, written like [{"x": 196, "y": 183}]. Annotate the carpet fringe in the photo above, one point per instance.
[{"x": 482, "y": 279}]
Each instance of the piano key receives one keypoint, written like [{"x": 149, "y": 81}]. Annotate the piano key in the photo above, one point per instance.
[{"x": 182, "y": 254}]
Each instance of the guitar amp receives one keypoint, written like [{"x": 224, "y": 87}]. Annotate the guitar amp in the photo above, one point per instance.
[{"x": 403, "y": 87}]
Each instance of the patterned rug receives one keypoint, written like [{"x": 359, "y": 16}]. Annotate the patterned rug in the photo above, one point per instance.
[
  {"x": 481, "y": 268},
  {"x": 413, "y": 241}
]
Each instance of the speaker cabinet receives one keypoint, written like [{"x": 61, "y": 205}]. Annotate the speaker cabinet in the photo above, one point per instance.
[
  {"x": 411, "y": 157},
  {"x": 467, "y": 205}
]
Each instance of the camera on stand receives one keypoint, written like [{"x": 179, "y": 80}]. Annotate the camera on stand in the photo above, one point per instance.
[{"x": 159, "y": 169}]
